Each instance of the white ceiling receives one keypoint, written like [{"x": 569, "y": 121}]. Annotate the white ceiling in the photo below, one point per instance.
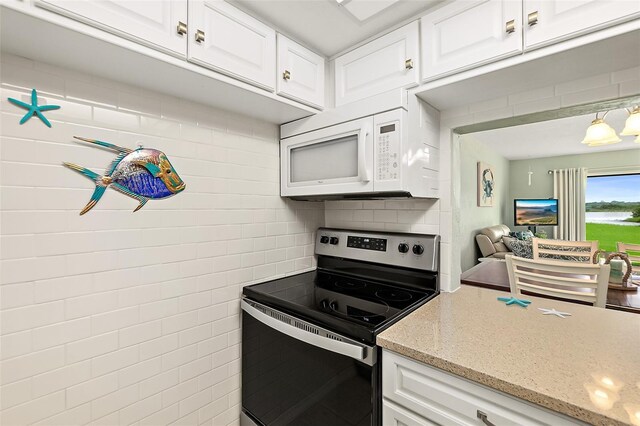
[
  {"x": 552, "y": 138},
  {"x": 327, "y": 27}
]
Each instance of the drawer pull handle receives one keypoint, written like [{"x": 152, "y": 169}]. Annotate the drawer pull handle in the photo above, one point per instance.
[
  {"x": 532, "y": 18},
  {"x": 408, "y": 64},
  {"x": 286, "y": 75},
  {"x": 483, "y": 417},
  {"x": 511, "y": 26},
  {"x": 199, "y": 36},
  {"x": 181, "y": 28}
]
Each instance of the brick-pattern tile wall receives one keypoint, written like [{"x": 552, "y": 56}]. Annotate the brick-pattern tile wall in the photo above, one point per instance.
[{"x": 117, "y": 317}]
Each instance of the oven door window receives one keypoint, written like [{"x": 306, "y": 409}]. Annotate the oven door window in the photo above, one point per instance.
[
  {"x": 286, "y": 381},
  {"x": 332, "y": 159}
]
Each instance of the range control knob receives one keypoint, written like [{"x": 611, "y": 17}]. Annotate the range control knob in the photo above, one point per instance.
[
  {"x": 403, "y": 247},
  {"x": 418, "y": 249},
  {"x": 324, "y": 239},
  {"x": 333, "y": 240}
]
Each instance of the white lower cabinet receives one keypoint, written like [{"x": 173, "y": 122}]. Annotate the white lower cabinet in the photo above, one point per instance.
[
  {"x": 551, "y": 21},
  {"x": 160, "y": 24},
  {"x": 228, "y": 40},
  {"x": 417, "y": 394}
]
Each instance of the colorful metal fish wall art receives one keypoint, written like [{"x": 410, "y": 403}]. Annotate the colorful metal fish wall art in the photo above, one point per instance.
[{"x": 143, "y": 174}]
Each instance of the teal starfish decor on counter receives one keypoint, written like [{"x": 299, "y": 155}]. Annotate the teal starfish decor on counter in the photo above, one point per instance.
[
  {"x": 513, "y": 301},
  {"x": 34, "y": 108}
]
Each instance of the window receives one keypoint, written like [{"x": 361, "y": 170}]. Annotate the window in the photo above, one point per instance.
[{"x": 613, "y": 209}]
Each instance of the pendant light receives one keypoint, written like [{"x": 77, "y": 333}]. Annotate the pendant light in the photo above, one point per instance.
[
  {"x": 600, "y": 133},
  {"x": 632, "y": 125}
]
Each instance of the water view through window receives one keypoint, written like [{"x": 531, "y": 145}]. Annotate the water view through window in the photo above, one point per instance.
[{"x": 613, "y": 209}]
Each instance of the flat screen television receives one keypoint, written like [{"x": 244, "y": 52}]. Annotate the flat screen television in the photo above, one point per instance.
[{"x": 535, "y": 212}]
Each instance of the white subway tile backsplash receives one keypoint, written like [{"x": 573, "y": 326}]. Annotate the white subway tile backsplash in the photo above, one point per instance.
[
  {"x": 161, "y": 382},
  {"x": 101, "y": 314},
  {"x": 114, "y": 401},
  {"x": 15, "y": 393},
  {"x": 140, "y": 409},
  {"x": 114, "y": 361},
  {"x": 57, "y": 379},
  {"x": 34, "y": 410},
  {"x": 91, "y": 389},
  {"x": 79, "y": 415},
  {"x": 93, "y": 346}
]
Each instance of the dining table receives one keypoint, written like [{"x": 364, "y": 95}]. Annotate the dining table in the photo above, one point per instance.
[{"x": 493, "y": 274}]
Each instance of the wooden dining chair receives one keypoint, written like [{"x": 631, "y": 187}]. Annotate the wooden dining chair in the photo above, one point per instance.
[
  {"x": 572, "y": 251},
  {"x": 571, "y": 281},
  {"x": 633, "y": 251}
]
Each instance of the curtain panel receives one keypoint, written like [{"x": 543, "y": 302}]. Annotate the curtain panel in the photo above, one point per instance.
[{"x": 569, "y": 187}]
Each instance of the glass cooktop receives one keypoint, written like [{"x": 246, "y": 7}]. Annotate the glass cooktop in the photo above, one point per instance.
[{"x": 359, "y": 308}]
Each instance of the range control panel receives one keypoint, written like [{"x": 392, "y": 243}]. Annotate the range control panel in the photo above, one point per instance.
[
  {"x": 420, "y": 251},
  {"x": 367, "y": 243}
]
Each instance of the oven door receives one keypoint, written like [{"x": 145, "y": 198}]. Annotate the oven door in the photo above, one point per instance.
[
  {"x": 334, "y": 160},
  {"x": 295, "y": 373}
]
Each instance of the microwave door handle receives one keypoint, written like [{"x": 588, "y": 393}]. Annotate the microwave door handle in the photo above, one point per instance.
[{"x": 363, "y": 172}]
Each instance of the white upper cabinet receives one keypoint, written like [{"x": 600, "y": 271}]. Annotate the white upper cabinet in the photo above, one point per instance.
[
  {"x": 386, "y": 63},
  {"x": 462, "y": 35},
  {"x": 156, "y": 23},
  {"x": 228, "y": 40},
  {"x": 300, "y": 73},
  {"x": 551, "y": 21}
]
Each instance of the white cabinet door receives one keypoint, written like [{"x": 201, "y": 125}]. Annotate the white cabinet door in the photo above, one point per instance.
[
  {"x": 389, "y": 62},
  {"x": 550, "y": 21},
  {"x": 156, "y": 23},
  {"x": 300, "y": 74},
  {"x": 462, "y": 35},
  {"x": 228, "y": 40}
]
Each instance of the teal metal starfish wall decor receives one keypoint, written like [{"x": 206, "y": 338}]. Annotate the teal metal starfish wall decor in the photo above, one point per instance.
[{"x": 34, "y": 108}]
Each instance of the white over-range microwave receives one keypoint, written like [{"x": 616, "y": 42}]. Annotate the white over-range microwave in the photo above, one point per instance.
[{"x": 386, "y": 155}]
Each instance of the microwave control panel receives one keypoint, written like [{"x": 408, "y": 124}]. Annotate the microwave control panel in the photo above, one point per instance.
[{"x": 388, "y": 151}]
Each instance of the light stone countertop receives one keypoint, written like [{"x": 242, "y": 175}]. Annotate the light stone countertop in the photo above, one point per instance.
[{"x": 586, "y": 366}]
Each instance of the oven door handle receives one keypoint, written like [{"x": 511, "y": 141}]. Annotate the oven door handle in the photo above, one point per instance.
[
  {"x": 363, "y": 172},
  {"x": 342, "y": 348}
]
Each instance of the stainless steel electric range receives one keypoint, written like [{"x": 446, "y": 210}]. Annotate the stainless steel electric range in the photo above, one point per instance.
[{"x": 309, "y": 354}]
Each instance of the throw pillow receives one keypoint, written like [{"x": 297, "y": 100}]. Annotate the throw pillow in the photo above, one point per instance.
[
  {"x": 522, "y": 248},
  {"x": 508, "y": 241}
]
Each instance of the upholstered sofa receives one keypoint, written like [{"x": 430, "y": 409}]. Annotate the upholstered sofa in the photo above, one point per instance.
[{"x": 490, "y": 241}]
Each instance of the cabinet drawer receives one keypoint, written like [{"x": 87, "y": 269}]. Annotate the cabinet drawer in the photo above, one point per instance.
[
  {"x": 228, "y": 40},
  {"x": 461, "y": 35},
  {"x": 394, "y": 415},
  {"x": 389, "y": 62},
  {"x": 153, "y": 22},
  {"x": 449, "y": 400}
]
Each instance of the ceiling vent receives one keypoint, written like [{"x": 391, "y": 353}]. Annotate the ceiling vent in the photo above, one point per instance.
[{"x": 365, "y": 9}]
